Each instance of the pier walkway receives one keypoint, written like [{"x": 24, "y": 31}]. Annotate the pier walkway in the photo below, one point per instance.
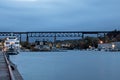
[{"x": 6, "y": 72}]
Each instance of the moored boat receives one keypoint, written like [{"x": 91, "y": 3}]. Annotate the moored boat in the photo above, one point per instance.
[{"x": 11, "y": 45}]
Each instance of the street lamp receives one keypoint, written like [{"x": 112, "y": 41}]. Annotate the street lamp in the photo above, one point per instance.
[
  {"x": 113, "y": 46},
  {"x": 101, "y": 42}
]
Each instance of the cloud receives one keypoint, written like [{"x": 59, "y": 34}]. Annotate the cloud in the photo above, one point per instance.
[{"x": 60, "y": 15}]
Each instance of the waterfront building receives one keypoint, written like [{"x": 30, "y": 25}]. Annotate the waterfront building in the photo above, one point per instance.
[{"x": 113, "y": 46}]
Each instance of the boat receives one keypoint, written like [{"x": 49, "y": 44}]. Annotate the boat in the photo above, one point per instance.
[{"x": 11, "y": 45}]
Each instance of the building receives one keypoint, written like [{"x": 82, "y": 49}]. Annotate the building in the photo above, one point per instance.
[{"x": 114, "y": 46}]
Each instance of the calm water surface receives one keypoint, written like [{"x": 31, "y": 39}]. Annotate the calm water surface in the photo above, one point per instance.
[{"x": 69, "y": 65}]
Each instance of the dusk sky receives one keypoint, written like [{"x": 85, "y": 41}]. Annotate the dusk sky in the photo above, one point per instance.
[{"x": 59, "y": 15}]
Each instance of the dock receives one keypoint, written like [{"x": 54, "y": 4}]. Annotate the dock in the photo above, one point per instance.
[{"x": 8, "y": 71}]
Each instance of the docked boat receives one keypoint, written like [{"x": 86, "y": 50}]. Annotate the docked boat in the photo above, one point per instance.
[{"x": 11, "y": 45}]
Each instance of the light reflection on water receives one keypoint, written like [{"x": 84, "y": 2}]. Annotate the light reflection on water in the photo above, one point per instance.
[{"x": 70, "y": 65}]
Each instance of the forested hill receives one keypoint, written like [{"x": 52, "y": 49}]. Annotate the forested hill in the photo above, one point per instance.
[{"x": 114, "y": 36}]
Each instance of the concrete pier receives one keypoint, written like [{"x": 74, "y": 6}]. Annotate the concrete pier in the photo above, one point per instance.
[{"x": 8, "y": 71}]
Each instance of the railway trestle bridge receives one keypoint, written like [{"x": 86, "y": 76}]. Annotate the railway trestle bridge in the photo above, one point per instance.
[{"x": 54, "y": 34}]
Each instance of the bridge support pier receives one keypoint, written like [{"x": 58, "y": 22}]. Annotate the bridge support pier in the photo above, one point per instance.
[
  {"x": 82, "y": 35},
  {"x": 27, "y": 38},
  {"x": 20, "y": 38},
  {"x": 54, "y": 44}
]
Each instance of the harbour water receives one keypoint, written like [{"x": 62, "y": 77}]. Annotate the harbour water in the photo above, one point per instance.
[{"x": 68, "y": 65}]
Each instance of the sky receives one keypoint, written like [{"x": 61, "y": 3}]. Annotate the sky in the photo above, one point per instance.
[{"x": 59, "y": 15}]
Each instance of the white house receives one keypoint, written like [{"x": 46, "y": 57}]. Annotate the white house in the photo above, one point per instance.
[{"x": 109, "y": 46}]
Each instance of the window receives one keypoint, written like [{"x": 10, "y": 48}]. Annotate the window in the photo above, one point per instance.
[
  {"x": 7, "y": 43},
  {"x": 16, "y": 42},
  {"x": 12, "y": 37}
]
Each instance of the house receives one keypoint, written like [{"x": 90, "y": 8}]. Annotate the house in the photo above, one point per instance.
[{"x": 114, "y": 46}]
